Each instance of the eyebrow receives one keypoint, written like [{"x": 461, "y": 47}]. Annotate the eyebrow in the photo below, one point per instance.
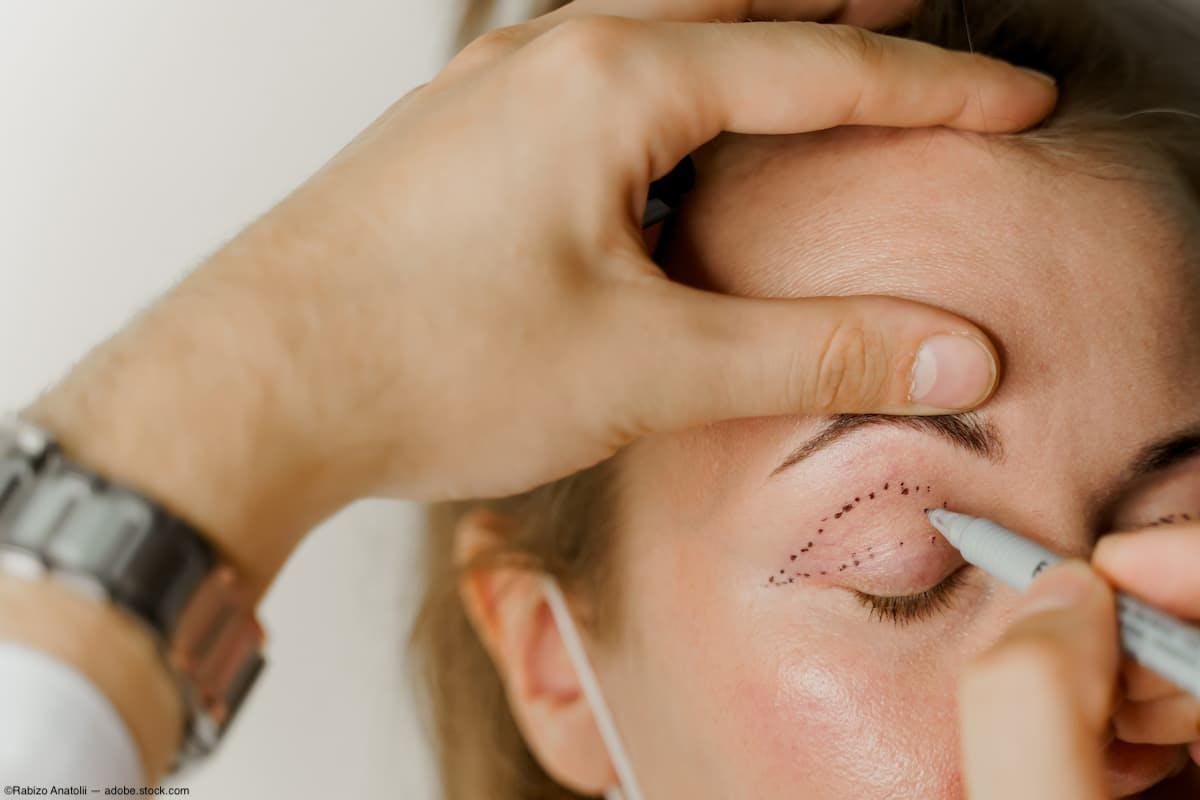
[
  {"x": 978, "y": 436},
  {"x": 970, "y": 432}
]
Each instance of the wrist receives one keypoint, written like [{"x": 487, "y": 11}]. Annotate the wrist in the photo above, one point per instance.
[{"x": 192, "y": 405}]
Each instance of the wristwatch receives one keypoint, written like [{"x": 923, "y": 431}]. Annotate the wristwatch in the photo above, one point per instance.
[{"x": 63, "y": 522}]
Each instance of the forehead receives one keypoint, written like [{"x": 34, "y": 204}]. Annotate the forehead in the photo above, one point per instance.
[
  {"x": 935, "y": 215},
  {"x": 1058, "y": 264},
  {"x": 1081, "y": 279}
]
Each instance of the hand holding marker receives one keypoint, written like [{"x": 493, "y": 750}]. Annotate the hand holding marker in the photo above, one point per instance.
[{"x": 1154, "y": 639}]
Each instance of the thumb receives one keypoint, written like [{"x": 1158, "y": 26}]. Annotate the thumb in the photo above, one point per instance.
[
  {"x": 725, "y": 358},
  {"x": 1035, "y": 707}
]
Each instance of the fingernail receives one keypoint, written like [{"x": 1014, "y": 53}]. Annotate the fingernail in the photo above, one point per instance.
[
  {"x": 952, "y": 372},
  {"x": 1041, "y": 76},
  {"x": 1065, "y": 585},
  {"x": 1112, "y": 548}
]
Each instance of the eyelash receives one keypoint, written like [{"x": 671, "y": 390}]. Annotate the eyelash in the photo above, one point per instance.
[{"x": 915, "y": 607}]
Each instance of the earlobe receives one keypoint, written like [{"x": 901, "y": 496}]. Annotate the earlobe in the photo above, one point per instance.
[{"x": 507, "y": 606}]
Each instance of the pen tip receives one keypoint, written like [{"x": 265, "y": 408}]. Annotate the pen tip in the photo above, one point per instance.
[{"x": 947, "y": 523}]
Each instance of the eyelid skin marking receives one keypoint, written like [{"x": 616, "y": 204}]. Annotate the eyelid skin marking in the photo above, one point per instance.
[
  {"x": 825, "y": 554},
  {"x": 1172, "y": 519}
]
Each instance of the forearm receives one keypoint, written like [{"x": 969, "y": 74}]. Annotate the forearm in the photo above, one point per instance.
[
  {"x": 192, "y": 405},
  {"x": 195, "y": 405}
]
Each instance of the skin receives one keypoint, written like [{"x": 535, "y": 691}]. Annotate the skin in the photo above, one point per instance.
[
  {"x": 330, "y": 390},
  {"x": 725, "y": 684},
  {"x": 371, "y": 334},
  {"x": 329, "y": 303}
]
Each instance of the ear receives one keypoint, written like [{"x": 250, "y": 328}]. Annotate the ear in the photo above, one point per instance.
[{"x": 509, "y": 611}]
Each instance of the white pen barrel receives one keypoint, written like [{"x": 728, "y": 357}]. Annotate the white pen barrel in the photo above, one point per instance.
[
  {"x": 1005, "y": 555},
  {"x": 1155, "y": 639},
  {"x": 1160, "y": 642}
]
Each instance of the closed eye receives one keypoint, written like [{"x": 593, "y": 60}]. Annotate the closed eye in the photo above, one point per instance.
[{"x": 906, "y": 609}]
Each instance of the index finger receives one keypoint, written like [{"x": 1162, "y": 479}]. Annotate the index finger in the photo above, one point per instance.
[
  {"x": 679, "y": 84},
  {"x": 1160, "y": 566},
  {"x": 1033, "y": 706}
]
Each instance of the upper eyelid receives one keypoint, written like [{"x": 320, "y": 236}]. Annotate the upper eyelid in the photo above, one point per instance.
[
  {"x": 824, "y": 551},
  {"x": 951, "y": 574},
  {"x": 921, "y": 605}
]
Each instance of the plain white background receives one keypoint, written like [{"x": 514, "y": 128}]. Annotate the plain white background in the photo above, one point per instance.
[{"x": 135, "y": 137}]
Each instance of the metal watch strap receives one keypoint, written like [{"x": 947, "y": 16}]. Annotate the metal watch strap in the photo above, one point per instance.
[{"x": 62, "y": 521}]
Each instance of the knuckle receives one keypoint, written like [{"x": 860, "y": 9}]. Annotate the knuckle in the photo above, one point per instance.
[
  {"x": 1127, "y": 724},
  {"x": 597, "y": 44},
  {"x": 848, "y": 374},
  {"x": 861, "y": 47},
  {"x": 491, "y": 46}
]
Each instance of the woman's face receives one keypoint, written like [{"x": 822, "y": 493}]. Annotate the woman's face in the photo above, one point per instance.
[{"x": 751, "y": 662}]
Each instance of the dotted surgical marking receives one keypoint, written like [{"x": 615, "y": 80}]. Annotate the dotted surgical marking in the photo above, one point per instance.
[
  {"x": 1170, "y": 519},
  {"x": 856, "y": 559}
]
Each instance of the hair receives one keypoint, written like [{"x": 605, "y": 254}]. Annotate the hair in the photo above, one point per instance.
[{"x": 1129, "y": 83}]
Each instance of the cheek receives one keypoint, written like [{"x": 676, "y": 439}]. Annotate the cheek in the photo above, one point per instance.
[{"x": 849, "y": 724}]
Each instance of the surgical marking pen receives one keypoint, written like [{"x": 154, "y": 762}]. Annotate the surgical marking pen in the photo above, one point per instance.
[{"x": 1156, "y": 640}]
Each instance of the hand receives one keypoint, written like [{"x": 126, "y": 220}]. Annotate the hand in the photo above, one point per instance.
[
  {"x": 461, "y": 304},
  {"x": 1160, "y": 566},
  {"x": 1034, "y": 708},
  {"x": 1038, "y": 708},
  {"x": 529, "y": 341}
]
